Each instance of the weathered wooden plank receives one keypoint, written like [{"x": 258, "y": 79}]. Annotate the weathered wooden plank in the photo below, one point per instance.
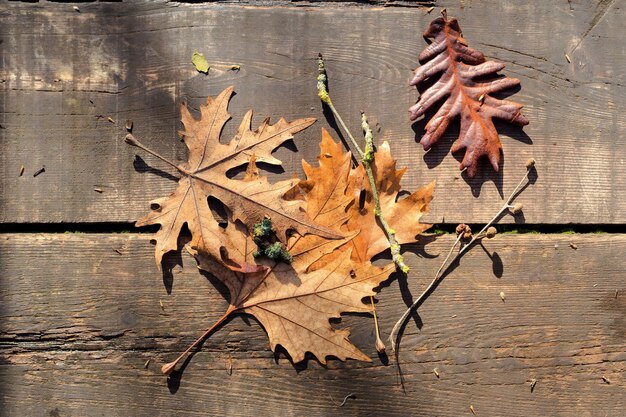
[
  {"x": 131, "y": 60},
  {"x": 78, "y": 321}
]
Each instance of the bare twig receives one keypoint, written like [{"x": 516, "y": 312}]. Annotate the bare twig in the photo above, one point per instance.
[
  {"x": 445, "y": 266},
  {"x": 380, "y": 345},
  {"x": 322, "y": 93},
  {"x": 345, "y": 399}
]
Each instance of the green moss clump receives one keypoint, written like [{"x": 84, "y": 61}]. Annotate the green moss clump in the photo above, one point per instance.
[
  {"x": 268, "y": 244},
  {"x": 262, "y": 229}
]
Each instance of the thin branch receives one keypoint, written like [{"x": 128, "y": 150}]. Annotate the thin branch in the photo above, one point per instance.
[
  {"x": 367, "y": 158},
  {"x": 380, "y": 345},
  {"x": 132, "y": 140},
  {"x": 322, "y": 93},
  {"x": 394, "y": 336}
]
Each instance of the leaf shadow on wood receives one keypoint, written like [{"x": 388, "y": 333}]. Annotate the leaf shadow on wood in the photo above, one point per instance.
[
  {"x": 142, "y": 167},
  {"x": 332, "y": 122},
  {"x": 281, "y": 353},
  {"x": 173, "y": 259},
  {"x": 485, "y": 174}
]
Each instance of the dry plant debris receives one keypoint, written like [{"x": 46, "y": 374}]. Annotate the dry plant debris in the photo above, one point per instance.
[
  {"x": 318, "y": 220},
  {"x": 461, "y": 76}
]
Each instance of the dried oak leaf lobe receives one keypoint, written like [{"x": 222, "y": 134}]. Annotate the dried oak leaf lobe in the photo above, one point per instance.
[
  {"x": 402, "y": 215},
  {"x": 336, "y": 178},
  {"x": 204, "y": 175},
  {"x": 466, "y": 80}
]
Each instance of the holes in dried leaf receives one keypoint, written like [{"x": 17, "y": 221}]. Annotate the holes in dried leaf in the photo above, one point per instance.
[
  {"x": 218, "y": 210},
  {"x": 362, "y": 196}
]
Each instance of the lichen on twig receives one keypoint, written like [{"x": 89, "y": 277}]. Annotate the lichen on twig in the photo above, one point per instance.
[{"x": 367, "y": 159}]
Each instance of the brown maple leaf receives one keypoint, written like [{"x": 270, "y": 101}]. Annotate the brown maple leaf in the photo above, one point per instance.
[
  {"x": 204, "y": 175},
  {"x": 295, "y": 305},
  {"x": 466, "y": 81},
  {"x": 294, "y": 302}
]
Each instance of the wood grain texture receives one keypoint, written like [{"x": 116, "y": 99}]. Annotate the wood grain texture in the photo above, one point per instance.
[
  {"x": 78, "y": 321},
  {"x": 62, "y": 69}
]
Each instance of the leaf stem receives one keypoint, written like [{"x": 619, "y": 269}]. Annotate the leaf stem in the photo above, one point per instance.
[
  {"x": 394, "y": 337},
  {"x": 169, "y": 367},
  {"x": 380, "y": 346},
  {"x": 132, "y": 140}
]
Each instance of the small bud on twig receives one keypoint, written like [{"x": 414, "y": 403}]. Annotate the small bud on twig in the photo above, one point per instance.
[
  {"x": 460, "y": 228},
  {"x": 517, "y": 208},
  {"x": 530, "y": 163},
  {"x": 467, "y": 234},
  {"x": 491, "y": 232}
]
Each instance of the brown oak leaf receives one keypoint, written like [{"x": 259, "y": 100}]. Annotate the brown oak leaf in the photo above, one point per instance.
[
  {"x": 335, "y": 178},
  {"x": 403, "y": 215},
  {"x": 466, "y": 80},
  {"x": 204, "y": 175}
]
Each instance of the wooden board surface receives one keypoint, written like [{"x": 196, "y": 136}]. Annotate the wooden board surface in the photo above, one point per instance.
[
  {"x": 64, "y": 73},
  {"x": 78, "y": 321},
  {"x": 86, "y": 320}
]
